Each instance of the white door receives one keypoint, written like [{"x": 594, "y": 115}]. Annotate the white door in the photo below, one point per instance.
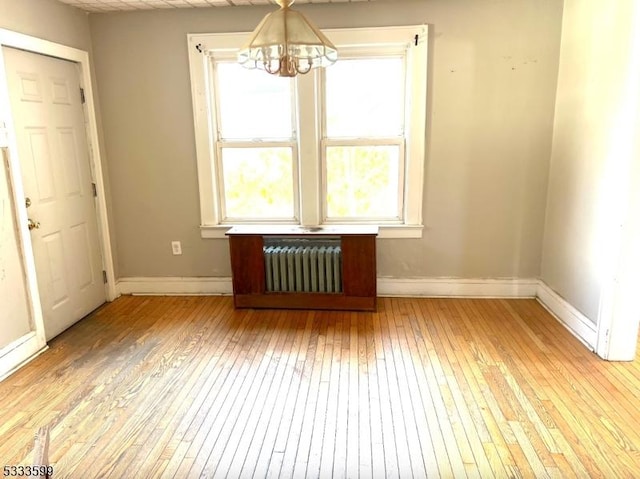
[{"x": 54, "y": 157}]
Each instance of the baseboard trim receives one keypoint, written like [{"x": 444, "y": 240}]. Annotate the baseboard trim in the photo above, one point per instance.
[
  {"x": 457, "y": 288},
  {"x": 422, "y": 287},
  {"x": 174, "y": 286},
  {"x": 572, "y": 319}
]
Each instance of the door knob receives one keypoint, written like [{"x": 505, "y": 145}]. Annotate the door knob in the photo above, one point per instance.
[{"x": 33, "y": 224}]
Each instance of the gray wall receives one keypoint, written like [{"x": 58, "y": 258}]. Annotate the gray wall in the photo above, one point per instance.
[
  {"x": 593, "y": 150},
  {"x": 47, "y": 19},
  {"x": 493, "y": 72}
]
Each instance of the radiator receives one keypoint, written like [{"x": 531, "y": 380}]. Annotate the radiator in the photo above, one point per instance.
[{"x": 314, "y": 269}]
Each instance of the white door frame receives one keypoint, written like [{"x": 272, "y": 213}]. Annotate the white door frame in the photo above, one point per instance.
[
  {"x": 619, "y": 314},
  {"x": 37, "y": 45},
  {"x": 34, "y": 342}
]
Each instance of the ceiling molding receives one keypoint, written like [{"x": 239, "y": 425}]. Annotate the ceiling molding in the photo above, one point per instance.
[{"x": 97, "y": 6}]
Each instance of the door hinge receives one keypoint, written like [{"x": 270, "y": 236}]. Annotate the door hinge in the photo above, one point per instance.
[
  {"x": 104, "y": 276},
  {"x": 82, "y": 98},
  {"x": 95, "y": 190}
]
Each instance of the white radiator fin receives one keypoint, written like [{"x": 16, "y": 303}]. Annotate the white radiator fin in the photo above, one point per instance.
[{"x": 314, "y": 269}]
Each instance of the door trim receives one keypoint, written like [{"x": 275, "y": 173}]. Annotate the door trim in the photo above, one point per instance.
[
  {"x": 25, "y": 348},
  {"x": 44, "y": 47}
]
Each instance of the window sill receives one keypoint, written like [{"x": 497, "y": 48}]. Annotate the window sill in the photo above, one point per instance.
[{"x": 385, "y": 231}]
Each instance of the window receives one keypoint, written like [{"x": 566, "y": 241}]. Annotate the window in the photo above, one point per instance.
[
  {"x": 256, "y": 145},
  {"x": 341, "y": 145},
  {"x": 363, "y": 139}
]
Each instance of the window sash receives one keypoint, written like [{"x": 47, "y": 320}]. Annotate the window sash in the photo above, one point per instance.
[
  {"x": 365, "y": 53},
  {"x": 214, "y": 107},
  {"x": 236, "y": 143},
  {"x": 224, "y": 218},
  {"x": 369, "y": 53},
  {"x": 394, "y": 141}
]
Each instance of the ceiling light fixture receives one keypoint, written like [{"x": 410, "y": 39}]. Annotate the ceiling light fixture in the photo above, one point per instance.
[{"x": 285, "y": 43}]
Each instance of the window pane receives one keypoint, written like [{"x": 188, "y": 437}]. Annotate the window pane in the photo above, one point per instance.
[
  {"x": 253, "y": 104},
  {"x": 258, "y": 182},
  {"x": 365, "y": 98},
  {"x": 362, "y": 181}
]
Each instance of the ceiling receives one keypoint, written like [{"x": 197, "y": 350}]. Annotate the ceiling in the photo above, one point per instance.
[{"x": 116, "y": 5}]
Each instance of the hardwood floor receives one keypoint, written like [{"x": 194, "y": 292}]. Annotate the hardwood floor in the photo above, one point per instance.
[{"x": 188, "y": 387}]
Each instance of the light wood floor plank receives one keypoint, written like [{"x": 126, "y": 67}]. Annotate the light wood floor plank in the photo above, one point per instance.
[
  {"x": 262, "y": 441},
  {"x": 433, "y": 442},
  {"x": 231, "y": 418},
  {"x": 298, "y": 446}
]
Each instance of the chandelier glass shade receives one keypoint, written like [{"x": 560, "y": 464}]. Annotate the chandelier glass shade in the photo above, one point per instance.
[{"x": 285, "y": 43}]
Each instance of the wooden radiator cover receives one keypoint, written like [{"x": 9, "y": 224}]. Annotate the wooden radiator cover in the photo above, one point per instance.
[{"x": 358, "y": 244}]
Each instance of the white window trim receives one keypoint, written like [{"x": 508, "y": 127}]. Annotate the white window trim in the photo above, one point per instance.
[{"x": 310, "y": 166}]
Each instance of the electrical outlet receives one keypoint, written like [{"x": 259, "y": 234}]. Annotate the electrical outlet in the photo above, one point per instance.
[{"x": 176, "y": 247}]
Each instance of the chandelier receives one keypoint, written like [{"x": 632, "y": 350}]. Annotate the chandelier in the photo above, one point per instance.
[{"x": 285, "y": 43}]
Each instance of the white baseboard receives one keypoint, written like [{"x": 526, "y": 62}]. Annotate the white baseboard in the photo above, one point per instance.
[
  {"x": 458, "y": 288},
  {"x": 18, "y": 353},
  {"x": 427, "y": 287},
  {"x": 576, "y": 322},
  {"x": 174, "y": 285}
]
